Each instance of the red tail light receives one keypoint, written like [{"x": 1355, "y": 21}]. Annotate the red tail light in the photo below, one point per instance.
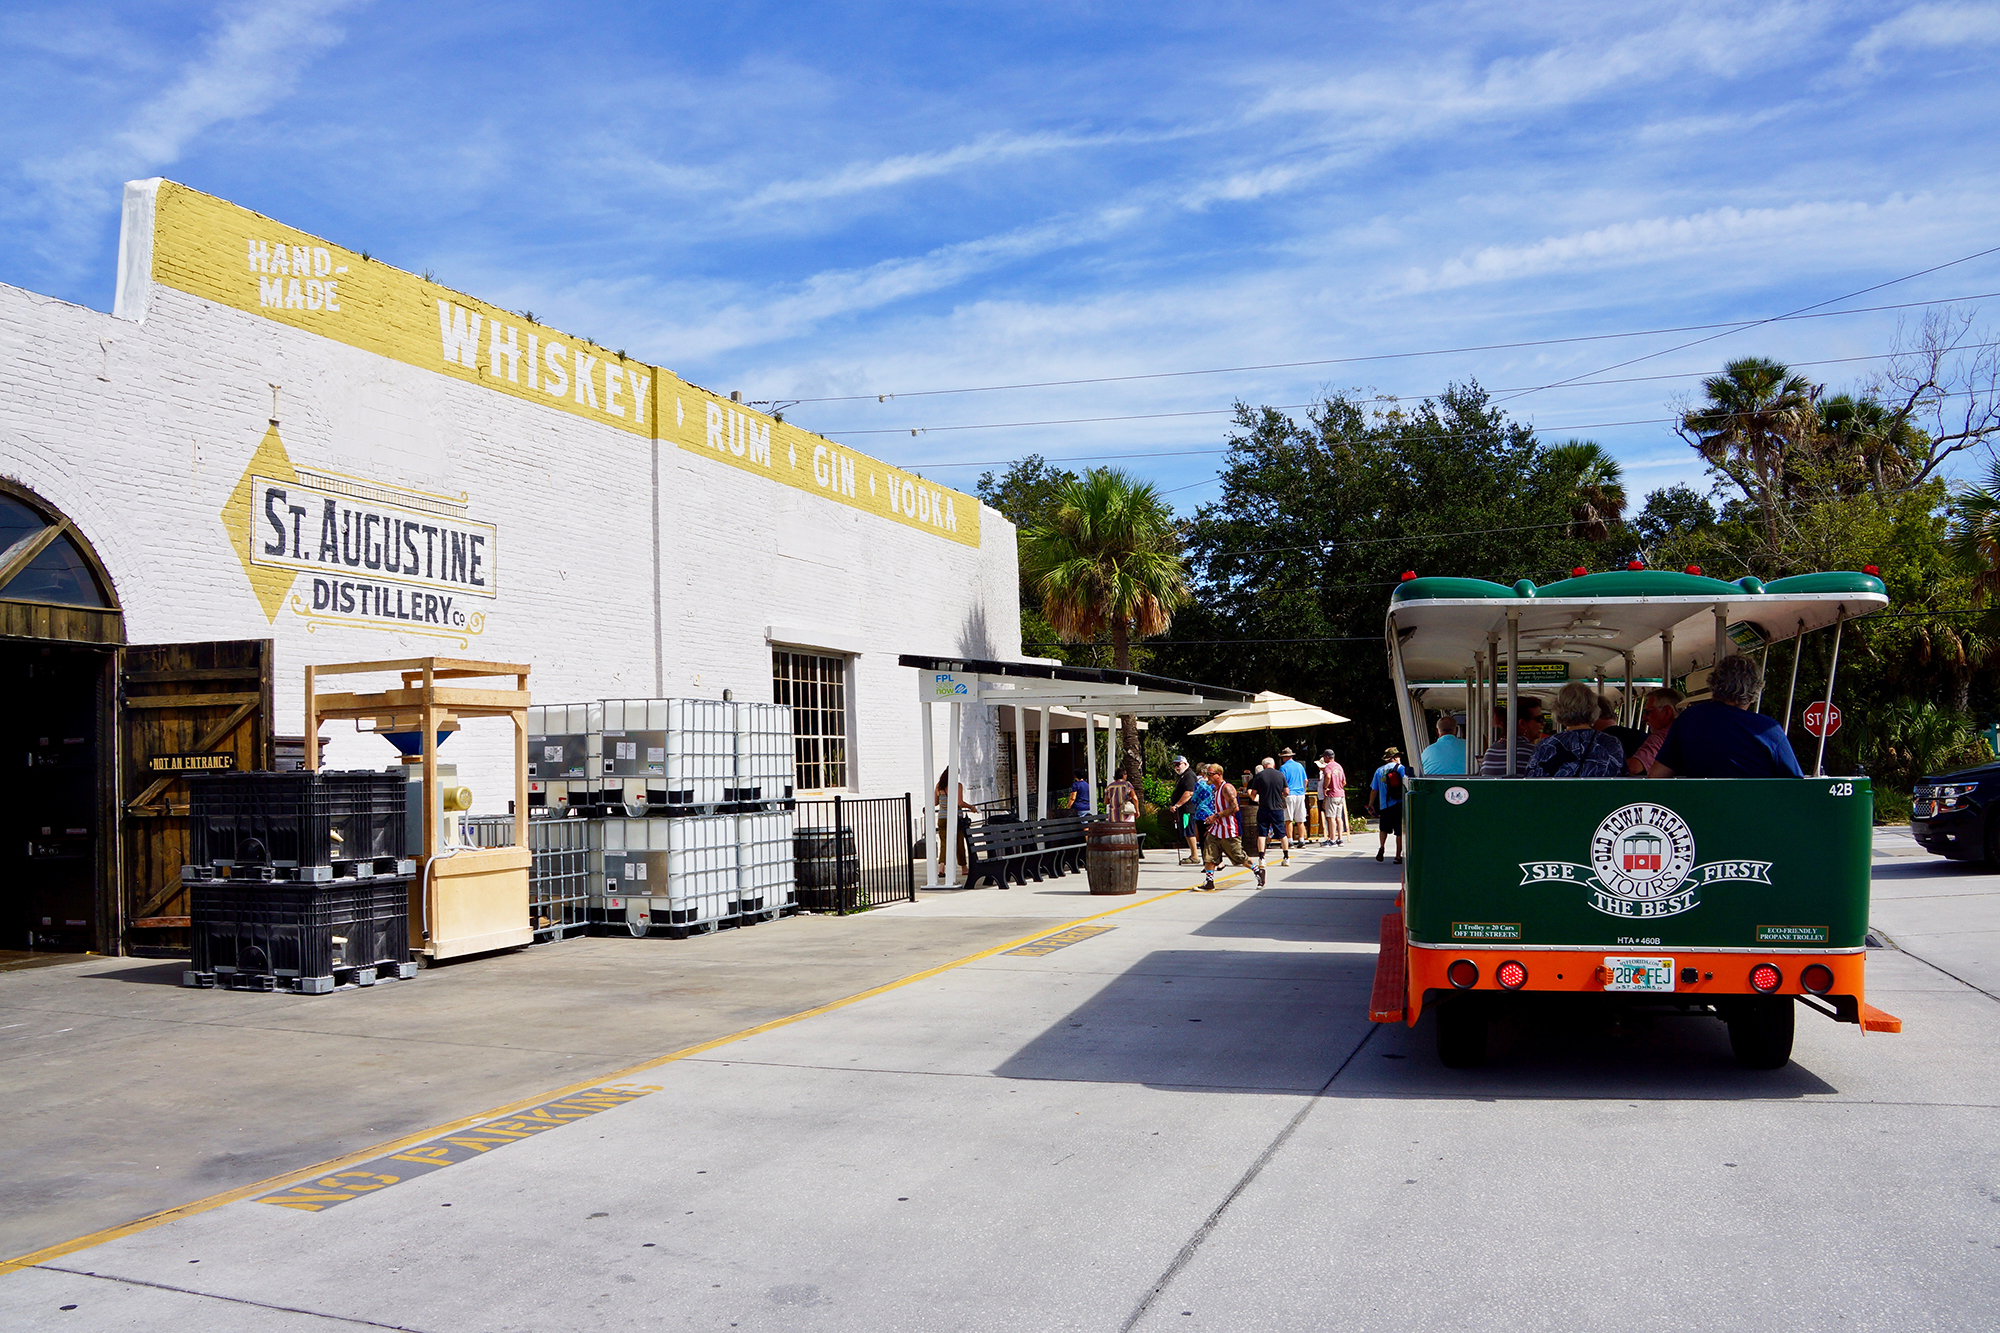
[
  {"x": 1765, "y": 978},
  {"x": 1511, "y": 975},
  {"x": 1817, "y": 978},
  {"x": 1463, "y": 973}
]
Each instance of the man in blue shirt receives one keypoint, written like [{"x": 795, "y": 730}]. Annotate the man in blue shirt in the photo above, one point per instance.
[
  {"x": 1295, "y": 800},
  {"x": 1446, "y": 754},
  {"x": 1721, "y": 738},
  {"x": 1385, "y": 799}
]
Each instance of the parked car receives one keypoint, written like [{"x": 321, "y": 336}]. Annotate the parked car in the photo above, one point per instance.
[{"x": 1949, "y": 814}]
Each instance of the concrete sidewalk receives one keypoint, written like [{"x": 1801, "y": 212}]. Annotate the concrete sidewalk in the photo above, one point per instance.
[
  {"x": 125, "y": 1094},
  {"x": 1175, "y": 1116},
  {"x": 1944, "y": 912}
]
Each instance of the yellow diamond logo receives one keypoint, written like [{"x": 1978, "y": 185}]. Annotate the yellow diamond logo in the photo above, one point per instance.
[{"x": 269, "y": 583}]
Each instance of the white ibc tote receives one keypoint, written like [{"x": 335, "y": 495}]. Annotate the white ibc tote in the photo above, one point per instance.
[
  {"x": 701, "y": 750},
  {"x": 564, "y": 753},
  {"x": 764, "y": 755},
  {"x": 765, "y": 881},
  {"x": 666, "y": 873}
]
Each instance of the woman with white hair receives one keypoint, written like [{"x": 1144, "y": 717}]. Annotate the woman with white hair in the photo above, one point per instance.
[
  {"x": 1579, "y": 750},
  {"x": 1722, "y": 736}
]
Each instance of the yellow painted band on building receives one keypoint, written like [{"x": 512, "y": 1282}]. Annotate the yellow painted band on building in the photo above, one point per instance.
[{"x": 213, "y": 249}]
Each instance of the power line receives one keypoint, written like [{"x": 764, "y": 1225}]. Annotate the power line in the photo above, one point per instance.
[
  {"x": 1793, "y": 314},
  {"x": 1436, "y": 351},
  {"x": 1379, "y": 398}
]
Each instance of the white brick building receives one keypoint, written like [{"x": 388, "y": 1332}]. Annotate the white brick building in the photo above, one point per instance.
[{"x": 201, "y": 443}]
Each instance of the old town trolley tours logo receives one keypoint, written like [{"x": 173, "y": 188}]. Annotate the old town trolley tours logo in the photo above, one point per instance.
[{"x": 1642, "y": 865}]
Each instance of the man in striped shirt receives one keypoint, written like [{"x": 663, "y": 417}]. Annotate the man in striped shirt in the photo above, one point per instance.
[{"x": 1224, "y": 836}]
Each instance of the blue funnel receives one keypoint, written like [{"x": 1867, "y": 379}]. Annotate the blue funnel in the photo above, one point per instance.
[{"x": 409, "y": 742}]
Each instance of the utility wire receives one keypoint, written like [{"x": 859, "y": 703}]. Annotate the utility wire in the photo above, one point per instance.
[
  {"x": 1379, "y": 398},
  {"x": 1792, "y": 314},
  {"x": 1435, "y": 351}
]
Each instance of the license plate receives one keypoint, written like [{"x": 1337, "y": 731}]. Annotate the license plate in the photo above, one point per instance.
[
  {"x": 1922, "y": 810},
  {"x": 1641, "y": 974}
]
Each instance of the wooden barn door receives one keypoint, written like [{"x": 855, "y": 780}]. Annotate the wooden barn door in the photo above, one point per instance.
[{"x": 177, "y": 700}]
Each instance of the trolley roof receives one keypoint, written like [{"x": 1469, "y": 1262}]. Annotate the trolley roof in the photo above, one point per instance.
[{"x": 1590, "y": 622}]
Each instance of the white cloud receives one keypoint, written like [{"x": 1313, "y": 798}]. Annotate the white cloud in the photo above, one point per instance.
[
  {"x": 1420, "y": 99},
  {"x": 1930, "y": 27},
  {"x": 861, "y": 177},
  {"x": 252, "y": 60},
  {"x": 1651, "y": 239}
]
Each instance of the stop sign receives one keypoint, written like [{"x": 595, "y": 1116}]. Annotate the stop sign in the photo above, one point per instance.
[{"x": 1822, "y": 719}]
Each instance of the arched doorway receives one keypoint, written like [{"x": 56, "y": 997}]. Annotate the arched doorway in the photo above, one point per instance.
[{"x": 60, "y": 631}]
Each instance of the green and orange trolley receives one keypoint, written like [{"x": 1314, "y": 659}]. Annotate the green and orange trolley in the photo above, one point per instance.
[{"x": 1744, "y": 898}]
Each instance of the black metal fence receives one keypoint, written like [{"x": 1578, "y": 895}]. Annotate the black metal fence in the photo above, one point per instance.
[{"x": 854, "y": 854}]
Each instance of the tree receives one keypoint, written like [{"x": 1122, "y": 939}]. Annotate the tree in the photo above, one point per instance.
[
  {"x": 1942, "y": 389},
  {"x": 1107, "y": 557},
  {"x": 1975, "y": 533},
  {"x": 1671, "y": 512},
  {"x": 1027, "y": 494},
  {"x": 1597, "y": 487},
  {"x": 1318, "y": 518},
  {"x": 1879, "y": 447},
  {"x": 1752, "y": 414}
]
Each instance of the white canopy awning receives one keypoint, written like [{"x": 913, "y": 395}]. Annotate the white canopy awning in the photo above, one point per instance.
[{"x": 1044, "y": 687}]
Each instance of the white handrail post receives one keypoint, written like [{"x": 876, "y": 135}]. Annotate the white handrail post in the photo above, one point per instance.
[
  {"x": 1020, "y": 761},
  {"x": 952, "y": 783},
  {"x": 1839, "y": 623},
  {"x": 1090, "y": 760},
  {"x": 1513, "y": 691},
  {"x": 930, "y": 802},
  {"x": 1791, "y": 691},
  {"x": 1042, "y": 785}
]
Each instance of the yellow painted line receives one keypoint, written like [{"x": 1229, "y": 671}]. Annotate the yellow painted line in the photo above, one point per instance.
[{"x": 215, "y": 1201}]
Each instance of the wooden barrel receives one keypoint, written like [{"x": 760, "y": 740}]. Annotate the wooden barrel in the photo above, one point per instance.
[{"x": 1111, "y": 857}]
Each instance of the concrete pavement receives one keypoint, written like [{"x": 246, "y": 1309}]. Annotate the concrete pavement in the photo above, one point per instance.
[{"x": 1181, "y": 1120}]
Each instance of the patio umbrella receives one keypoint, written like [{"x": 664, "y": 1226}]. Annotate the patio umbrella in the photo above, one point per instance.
[{"x": 1271, "y": 712}]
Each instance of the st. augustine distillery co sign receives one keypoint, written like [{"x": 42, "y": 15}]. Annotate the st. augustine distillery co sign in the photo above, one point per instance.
[{"x": 336, "y": 550}]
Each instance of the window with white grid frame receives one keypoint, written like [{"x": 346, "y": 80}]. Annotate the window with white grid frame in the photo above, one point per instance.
[{"x": 816, "y": 688}]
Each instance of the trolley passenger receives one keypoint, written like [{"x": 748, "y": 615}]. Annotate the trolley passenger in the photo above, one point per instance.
[
  {"x": 1579, "y": 750},
  {"x": 1720, "y": 737},
  {"x": 1494, "y": 764},
  {"x": 1662, "y": 707}
]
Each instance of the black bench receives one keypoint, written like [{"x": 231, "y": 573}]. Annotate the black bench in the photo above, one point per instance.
[{"x": 1016, "y": 852}]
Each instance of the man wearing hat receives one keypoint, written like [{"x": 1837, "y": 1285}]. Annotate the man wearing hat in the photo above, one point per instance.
[
  {"x": 1385, "y": 800},
  {"x": 1295, "y": 801},
  {"x": 1186, "y": 782},
  {"x": 1332, "y": 800}
]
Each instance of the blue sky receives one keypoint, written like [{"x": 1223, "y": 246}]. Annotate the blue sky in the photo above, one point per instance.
[{"x": 810, "y": 202}]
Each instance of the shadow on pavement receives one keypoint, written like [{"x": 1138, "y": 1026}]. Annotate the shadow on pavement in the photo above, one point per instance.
[
  {"x": 1284, "y": 1020},
  {"x": 1577, "y": 1048},
  {"x": 1934, "y": 869},
  {"x": 159, "y": 974}
]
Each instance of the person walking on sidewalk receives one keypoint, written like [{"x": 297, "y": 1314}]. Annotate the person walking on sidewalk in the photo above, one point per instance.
[
  {"x": 1332, "y": 800},
  {"x": 1295, "y": 802},
  {"x": 1186, "y": 822},
  {"x": 1385, "y": 800},
  {"x": 1223, "y": 836},
  {"x": 1269, "y": 784},
  {"x": 1251, "y": 807}
]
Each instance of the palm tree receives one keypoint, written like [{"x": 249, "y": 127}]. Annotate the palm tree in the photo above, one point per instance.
[
  {"x": 1975, "y": 533},
  {"x": 1107, "y": 557},
  {"x": 1597, "y": 487},
  {"x": 1754, "y": 410},
  {"x": 1861, "y": 432}
]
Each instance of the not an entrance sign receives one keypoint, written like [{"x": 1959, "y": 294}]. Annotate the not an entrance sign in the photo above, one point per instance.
[{"x": 1822, "y": 719}]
